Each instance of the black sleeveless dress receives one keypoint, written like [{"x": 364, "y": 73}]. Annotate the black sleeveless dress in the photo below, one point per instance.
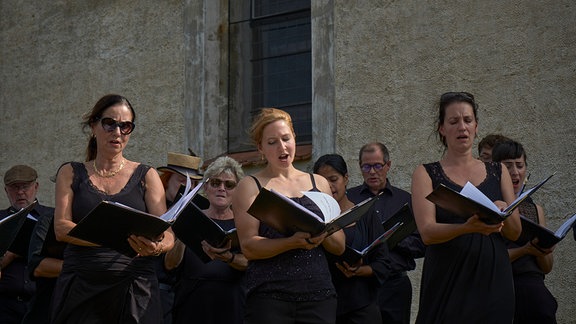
[
  {"x": 469, "y": 278},
  {"x": 98, "y": 284}
]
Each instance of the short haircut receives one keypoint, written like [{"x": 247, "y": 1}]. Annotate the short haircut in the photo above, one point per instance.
[
  {"x": 372, "y": 147},
  {"x": 508, "y": 150},
  {"x": 490, "y": 140}
]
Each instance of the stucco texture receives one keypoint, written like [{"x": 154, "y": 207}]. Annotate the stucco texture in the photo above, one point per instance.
[
  {"x": 57, "y": 58},
  {"x": 394, "y": 58}
]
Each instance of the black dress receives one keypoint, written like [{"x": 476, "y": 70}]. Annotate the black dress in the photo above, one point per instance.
[
  {"x": 469, "y": 278},
  {"x": 98, "y": 284},
  {"x": 534, "y": 302},
  {"x": 211, "y": 292}
]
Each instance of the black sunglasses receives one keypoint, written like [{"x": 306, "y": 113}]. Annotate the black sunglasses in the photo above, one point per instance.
[
  {"x": 216, "y": 183},
  {"x": 109, "y": 125}
]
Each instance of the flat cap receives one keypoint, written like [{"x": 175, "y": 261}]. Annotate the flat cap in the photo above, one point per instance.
[{"x": 20, "y": 173}]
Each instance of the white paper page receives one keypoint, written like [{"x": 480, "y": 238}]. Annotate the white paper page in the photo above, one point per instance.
[
  {"x": 327, "y": 204},
  {"x": 175, "y": 209},
  {"x": 562, "y": 230},
  {"x": 297, "y": 205},
  {"x": 475, "y": 194}
]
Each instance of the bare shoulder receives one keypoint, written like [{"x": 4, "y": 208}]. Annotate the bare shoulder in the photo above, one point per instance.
[
  {"x": 247, "y": 186},
  {"x": 65, "y": 173},
  {"x": 322, "y": 183},
  {"x": 152, "y": 172},
  {"x": 420, "y": 172}
]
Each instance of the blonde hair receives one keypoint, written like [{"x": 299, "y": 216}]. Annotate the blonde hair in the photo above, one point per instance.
[{"x": 266, "y": 117}]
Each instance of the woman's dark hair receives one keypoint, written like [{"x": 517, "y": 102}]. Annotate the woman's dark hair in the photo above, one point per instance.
[
  {"x": 508, "y": 150},
  {"x": 96, "y": 113},
  {"x": 448, "y": 98},
  {"x": 334, "y": 160}
]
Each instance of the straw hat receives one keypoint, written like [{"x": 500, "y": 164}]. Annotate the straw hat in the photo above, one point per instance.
[{"x": 182, "y": 164}]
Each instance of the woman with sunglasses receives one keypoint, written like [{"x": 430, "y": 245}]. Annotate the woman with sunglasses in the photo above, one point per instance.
[
  {"x": 288, "y": 279},
  {"x": 99, "y": 284},
  {"x": 211, "y": 291},
  {"x": 466, "y": 276}
]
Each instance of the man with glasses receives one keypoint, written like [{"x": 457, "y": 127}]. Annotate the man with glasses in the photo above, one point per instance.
[
  {"x": 395, "y": 294},
  {"x": 16, "y": 288}
]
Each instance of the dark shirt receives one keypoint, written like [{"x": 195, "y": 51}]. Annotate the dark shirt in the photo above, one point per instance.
[
  {"x": 43, "y": 244},
  {"x": 15, "y": 281},
  {"x": 389, "y": 202},
  {"x": 355, "y": 293}
]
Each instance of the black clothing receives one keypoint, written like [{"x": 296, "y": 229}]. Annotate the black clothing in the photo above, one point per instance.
[
  {"x": 166, "y": 282},
  {"x": 395, "y": 300},
  {"x": 300, "y": 277},
  {"x": 210, "y": 293},
  {"x": 98, "y": 284},
  {"x": 388, "y": 203},
  {"x": 534, "y": 302},
  {"x": 16, "y": 287},
  {"x": 469, "y": 278},
  {"x": 43, "y": 244},
  {"x": 356, "y": 295},
  {"x": 261, "y": 309},
  {"x": 400, "y": 259}
]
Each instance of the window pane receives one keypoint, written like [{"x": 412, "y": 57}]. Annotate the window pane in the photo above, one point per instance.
[
  {"x": 263, "y": 8},
  {"x": 270, "y": 66}
]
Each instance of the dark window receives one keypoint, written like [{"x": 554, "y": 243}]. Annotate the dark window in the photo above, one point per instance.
[{"x": 270, "y": 65}]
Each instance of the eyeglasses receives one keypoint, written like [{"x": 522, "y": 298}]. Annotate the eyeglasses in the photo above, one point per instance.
[
  {"x": 216, "y": 183},
  {"x": 367, "y": 167},
  {"x": 18, "y": 187},
  {"x": 109, "y": 125}
]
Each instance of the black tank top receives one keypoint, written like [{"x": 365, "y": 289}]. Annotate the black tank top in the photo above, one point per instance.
[{"x": 295, "y": 275}]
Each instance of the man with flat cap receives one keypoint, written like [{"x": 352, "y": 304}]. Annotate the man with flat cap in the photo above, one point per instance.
[
  {"x": 16, "y": 288},
  {"x": 173, "y": 175}
]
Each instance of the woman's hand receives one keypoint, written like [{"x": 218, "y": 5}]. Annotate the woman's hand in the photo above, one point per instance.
[
  {"x": 348, "y": 270},
  {"x": 534, "y": 249},
  {"x": 475, "y": 225},
  {"x": 146, "y": 247},
  {"x": 223, "y": 254},
  {"x": 306, "y": 241}
]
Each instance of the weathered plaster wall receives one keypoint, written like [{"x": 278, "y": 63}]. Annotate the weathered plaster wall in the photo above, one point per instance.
[
  {"x": 393, "y": 59},
  {"x": 57, "y": 58}
]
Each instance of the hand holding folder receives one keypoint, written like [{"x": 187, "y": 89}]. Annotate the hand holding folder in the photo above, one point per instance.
[
  {"x": 470, "y": 201},
  {"x": 288, "y": 217},
  {"x": 110, "y": 223}
]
